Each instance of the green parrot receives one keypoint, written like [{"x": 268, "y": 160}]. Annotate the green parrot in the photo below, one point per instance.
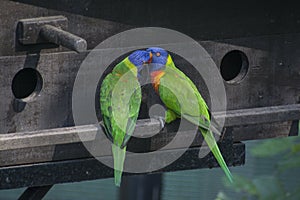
[
  {"x": 182, "y": 99},
  {"x": 120, "y": 99}
]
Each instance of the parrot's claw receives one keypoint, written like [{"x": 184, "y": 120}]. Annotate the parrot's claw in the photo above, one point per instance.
[{"x": 161, "y": 121}]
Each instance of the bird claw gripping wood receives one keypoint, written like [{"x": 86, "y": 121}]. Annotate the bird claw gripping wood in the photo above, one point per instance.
[{"x": 161, "y": 120}]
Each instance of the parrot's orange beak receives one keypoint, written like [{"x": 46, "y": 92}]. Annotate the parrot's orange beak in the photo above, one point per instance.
[{"x": 150, "y": 59}]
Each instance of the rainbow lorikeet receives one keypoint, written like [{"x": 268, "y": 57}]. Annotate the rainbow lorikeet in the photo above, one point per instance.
[
  {"x": 182, "y": 99},
  {"x": 120, "y": 99}
]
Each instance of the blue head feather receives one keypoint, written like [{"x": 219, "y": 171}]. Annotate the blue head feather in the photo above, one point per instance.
[
  {"x": 159, "y": 58},
  {"x": 139, "y": 58}
]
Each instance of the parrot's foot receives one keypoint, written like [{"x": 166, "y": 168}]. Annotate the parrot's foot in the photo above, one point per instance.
[
  {"x": 223, "y": 134},
  {"x": 161, "y": 120}
]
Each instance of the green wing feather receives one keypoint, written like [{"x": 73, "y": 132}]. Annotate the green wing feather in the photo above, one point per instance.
[
  {"x": 120, "y": 99},
  {"x": 181, "y": 96}
]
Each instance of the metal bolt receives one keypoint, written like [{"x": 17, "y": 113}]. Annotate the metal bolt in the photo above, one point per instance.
[{"x": 61, "y": 37}]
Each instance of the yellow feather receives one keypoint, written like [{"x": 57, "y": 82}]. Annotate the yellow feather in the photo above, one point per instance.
[{"x": 131, "y": 66}]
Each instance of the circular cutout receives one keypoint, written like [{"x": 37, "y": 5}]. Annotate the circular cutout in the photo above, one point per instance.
[
  {"x": 27, "y": 84},
  {"x": 234, "y": 66}
]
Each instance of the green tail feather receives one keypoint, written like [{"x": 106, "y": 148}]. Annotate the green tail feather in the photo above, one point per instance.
[
  {"x": 119, "y": 158},
  {"x": 210, "y": 140}
]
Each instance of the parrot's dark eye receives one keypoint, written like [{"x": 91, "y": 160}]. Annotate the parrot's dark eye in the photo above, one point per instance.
[{"x": 157, "y": 54}]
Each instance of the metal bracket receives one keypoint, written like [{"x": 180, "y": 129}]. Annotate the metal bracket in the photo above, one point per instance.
[
  {"x": 45, "y": 30},
  {"x": 35, "y": 193}
]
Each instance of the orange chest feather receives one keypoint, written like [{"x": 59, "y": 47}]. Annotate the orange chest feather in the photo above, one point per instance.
[{"x": 155, "y": 79}]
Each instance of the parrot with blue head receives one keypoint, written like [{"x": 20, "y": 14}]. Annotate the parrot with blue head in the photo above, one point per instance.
[
  {"x": 182, "y": 99},
  {"x": 120, "y": 99}
]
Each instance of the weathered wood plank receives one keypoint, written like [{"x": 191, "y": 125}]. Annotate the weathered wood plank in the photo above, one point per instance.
[
  {"x": 53, "y": 108},
  {"x": 59, "y": 71},
  {"x": 65, "y": 143},
  {"x": 67, "y": 135},
  {"x": 49, "y": 173},
  {"x": 260, "y": 115},
  {"x": 146, "y": 128}
]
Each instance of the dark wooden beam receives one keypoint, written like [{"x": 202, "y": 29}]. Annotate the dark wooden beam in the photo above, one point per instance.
[{"x": 48, "y": 173}]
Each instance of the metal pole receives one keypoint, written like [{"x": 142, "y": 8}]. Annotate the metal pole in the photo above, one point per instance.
[{"x": 141, "y": 187}]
